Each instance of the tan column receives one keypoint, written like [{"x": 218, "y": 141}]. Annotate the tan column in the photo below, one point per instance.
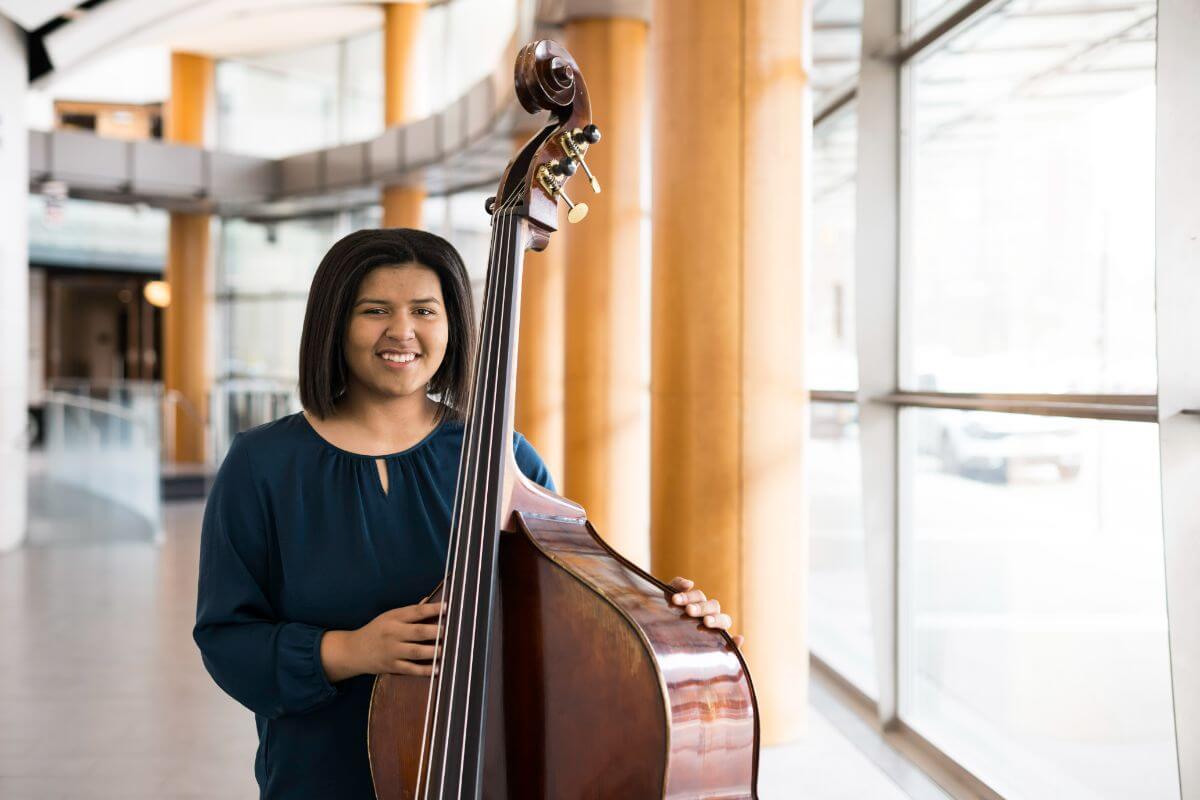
[
  {"x": 189, "y": 271},
  {"x": 729, "y": 408},
  {"x": 607, "y": 426},
  {"x": 539, "y": 403},
  {"x": 401, "y": 27}
]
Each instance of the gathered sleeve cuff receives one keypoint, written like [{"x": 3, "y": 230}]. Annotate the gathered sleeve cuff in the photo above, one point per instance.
[{"x": 271, "y": 666}]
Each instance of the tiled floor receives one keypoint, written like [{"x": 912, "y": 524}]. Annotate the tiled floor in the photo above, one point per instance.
[{"x": 102, "y": 693}]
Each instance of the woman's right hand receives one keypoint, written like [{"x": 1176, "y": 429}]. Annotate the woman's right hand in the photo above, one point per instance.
[{"x": 390, "y": 643}]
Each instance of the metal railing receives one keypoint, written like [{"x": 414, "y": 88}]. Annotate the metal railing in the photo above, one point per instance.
[
  {"x": 110, "y": 449},
  {"x": 239, "y": 404}
]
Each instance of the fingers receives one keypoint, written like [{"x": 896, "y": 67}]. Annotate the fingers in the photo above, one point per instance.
[
  {"x": 722, "y": 621},
  {"x": 681, "y": 584},
  {"x": 738, "y": 639},
  {"x": 402, "y": 667},
  {"x": 683, "y": 598},
  {"x": 419, "y": 633},
  {"x": 702, "y": 608},
  {"x": 414, "y": 652},
  {"x": 419, "y": 612}
]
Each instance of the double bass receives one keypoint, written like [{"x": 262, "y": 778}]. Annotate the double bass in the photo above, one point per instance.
[{"x": 563, "y": 671}]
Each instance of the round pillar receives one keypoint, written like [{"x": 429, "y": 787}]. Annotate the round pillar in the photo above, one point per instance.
[
  {"x": 189, "y": 273},
  {"x": 732, "y": 128},
  {"x": 401, "y": 29},
  {"x": 606, "y": 395}
]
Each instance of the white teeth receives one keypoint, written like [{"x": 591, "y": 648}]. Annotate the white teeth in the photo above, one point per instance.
[{"x": 399, "y": 358}]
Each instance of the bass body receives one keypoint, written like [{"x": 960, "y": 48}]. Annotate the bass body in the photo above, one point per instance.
[{"x": 599, "y": 688}]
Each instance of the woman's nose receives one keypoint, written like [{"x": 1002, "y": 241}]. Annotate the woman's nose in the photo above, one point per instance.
[{"x": 400, "y": 329}]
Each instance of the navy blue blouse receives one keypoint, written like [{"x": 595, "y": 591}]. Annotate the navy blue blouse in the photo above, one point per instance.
[{"x": 299, "y": 538}]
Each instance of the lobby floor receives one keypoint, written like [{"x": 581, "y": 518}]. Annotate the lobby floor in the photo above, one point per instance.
[{"x": 103, "y": 695}]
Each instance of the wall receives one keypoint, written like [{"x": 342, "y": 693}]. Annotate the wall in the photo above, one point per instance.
[{"x": 14, "y": 284}]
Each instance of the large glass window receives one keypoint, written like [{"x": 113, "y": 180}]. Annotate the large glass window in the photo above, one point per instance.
[
  {"x": 832, "y": 363},
  {"x": 279, "y": 104},
  {"x": 361, "y": 107},
  {"x": 839, "y": 603},
  {"x": 1034, "y": 630},
  {"x": 262, "y": 287},
  {"x": 1033, "y": 633},
  {"x": 839, "y": 607},
  {"x": 88, "y": 234},
  {"x": 1030, "y": 246},
  {"x": 837, "y": 38}
]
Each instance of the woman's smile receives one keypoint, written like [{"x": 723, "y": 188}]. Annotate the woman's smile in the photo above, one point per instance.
[{"x": 399, "y": 359}]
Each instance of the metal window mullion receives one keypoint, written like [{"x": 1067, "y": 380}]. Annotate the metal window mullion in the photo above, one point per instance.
[
  {"x": 1177, "y": 288},
  {"x": 876, "y": 273}
]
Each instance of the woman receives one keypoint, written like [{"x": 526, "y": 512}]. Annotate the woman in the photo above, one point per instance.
[{"x": 325, "y": 529}]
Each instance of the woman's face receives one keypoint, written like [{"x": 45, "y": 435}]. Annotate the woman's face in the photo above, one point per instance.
[{"x": 396, "y": 338}]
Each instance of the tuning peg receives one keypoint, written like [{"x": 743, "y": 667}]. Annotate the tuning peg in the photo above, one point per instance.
[
  {"x": 588, "y": 134},
  {"x": 577, "y": 210},
  {"x": 591, "y": 178},
  {"x": 552, "y": 176},
  {"x": 576, "y": 144},
  {"x": 489, "y": 205}
]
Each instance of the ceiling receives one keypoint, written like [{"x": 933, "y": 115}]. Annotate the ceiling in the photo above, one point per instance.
[{"x": 66, "y": 35}]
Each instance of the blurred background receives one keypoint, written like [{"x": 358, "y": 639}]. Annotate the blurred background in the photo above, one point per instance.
[{"x": 954, "y": 236}]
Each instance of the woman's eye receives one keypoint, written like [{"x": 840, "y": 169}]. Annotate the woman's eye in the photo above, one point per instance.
[
  {"x": 375, "y": 311},
  {"x": 425, "y": 312}
]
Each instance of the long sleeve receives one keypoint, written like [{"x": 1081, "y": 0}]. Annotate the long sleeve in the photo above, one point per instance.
[
  {"x": 530, "y": 462},
  {"x": 271, "y": 666}
]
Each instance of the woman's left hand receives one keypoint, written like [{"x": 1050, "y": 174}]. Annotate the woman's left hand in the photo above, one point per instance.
[{"x": 697, "y": 605}]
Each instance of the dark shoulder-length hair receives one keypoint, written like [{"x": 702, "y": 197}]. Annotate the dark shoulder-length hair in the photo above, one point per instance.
[{"x": 323, "y": 368}]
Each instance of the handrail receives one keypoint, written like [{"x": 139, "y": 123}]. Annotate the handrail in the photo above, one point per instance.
[
  {"x": 98, "y": 406},
  {"x": 109, "y": 449},
  {"x": 1130, "y": 408}
]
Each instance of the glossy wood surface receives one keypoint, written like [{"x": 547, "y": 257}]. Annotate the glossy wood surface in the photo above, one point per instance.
[
  {"x": 599, "y": 687},
  {"x": 713, "y": 749}
]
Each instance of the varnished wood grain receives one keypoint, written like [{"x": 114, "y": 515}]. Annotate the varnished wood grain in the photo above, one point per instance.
[
  {"x": 713, "y": 741},
  {"x": 601, "y": 688}
]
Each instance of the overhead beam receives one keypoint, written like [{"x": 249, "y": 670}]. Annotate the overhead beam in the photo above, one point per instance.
[{"x": 467, "y": 144}]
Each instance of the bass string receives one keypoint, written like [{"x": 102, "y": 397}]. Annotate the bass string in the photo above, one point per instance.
[
  {"x": 496, "y": 414},
  {"x": 469, "y": 468},
  {"x": 433, "y": 702},
  {"x": 483, "y": 498}
]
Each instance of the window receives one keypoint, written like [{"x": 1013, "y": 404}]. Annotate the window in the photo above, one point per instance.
[
  {"x": 1031, "y": 246},
  {"x": 1034, "y": 628},
  {"x": 832, "y": 361},
  {"x": 1032, "y": 620},
  {"x": 839, "y": 608}
]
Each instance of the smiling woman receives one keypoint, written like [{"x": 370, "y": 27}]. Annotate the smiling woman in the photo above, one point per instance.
[
  {"x": 324, "y": 530},
  {"x": 377, "y": 291}
]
